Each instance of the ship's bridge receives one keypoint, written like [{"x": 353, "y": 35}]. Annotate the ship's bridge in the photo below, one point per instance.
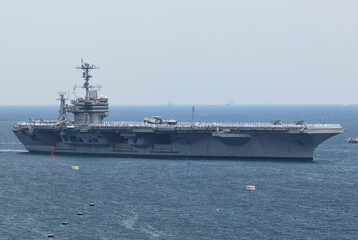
[{"x": 91, "y": 108}]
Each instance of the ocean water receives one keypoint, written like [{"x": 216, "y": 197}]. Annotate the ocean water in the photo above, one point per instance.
[{"x": 182, "y": 199}]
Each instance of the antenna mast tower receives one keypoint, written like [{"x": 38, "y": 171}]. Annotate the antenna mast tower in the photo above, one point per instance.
[{"x": 86, "y": 67}]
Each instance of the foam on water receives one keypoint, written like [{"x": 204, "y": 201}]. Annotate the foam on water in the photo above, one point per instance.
[{"x": 12, "y": 150}]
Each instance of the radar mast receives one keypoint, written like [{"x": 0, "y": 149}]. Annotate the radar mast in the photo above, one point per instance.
[
  {"x": 86, "y": 67},
  {"x": 91, "y": 109}
]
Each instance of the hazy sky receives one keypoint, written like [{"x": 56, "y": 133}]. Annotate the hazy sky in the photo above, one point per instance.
[{"x": 185, "y": 52}]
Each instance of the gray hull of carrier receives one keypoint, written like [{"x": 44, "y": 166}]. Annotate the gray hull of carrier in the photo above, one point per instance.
[
  {"x": 183, "y": 140},
  {"x": 89, "y": 134}
]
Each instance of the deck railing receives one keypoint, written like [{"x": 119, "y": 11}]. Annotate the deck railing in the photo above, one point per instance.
[{"x": 196, "y": 125}]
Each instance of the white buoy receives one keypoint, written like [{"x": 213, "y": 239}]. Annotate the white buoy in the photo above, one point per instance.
[
  {"x": 50, "y": 235},
  {"x": 250, "y": 188},
  {"x": 75, "y": 168},
  {"x": 79, "y": 213}
]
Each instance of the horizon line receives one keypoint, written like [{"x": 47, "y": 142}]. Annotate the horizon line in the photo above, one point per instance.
[{"x": 194, "y": 105}]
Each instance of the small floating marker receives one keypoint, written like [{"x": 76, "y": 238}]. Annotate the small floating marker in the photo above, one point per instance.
[
  {"x": 52, "y": 154},
  {"x": 352, "y": 140},
  {"x": 250, "y": 188},
  {"x": 64, "y": 222},
  {"x": 50, "y": 235},
  {"x": 75, "y": 168},
  {"x": 92, "y": 204},
  {"x": 79, "y": 213}
]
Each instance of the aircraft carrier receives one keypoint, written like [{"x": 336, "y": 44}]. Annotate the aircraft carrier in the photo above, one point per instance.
[{"x": 88, "y": 133}]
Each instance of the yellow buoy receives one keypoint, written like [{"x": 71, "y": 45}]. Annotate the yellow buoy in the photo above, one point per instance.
[
  {"x": 75, "y": 168},
  {"x": 50, "y": 235},
  {"x": 64, "y": 222},
  {"x": 79, "y": 213},
  {"x": 92, "y": 204},
  {"x": 250, "y": 188}
]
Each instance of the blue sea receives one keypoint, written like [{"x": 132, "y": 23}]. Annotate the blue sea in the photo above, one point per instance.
[{"x": 139, "y": 198}]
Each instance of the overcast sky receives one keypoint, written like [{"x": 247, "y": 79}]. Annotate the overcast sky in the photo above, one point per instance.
[{"x": 184, "y": 52}]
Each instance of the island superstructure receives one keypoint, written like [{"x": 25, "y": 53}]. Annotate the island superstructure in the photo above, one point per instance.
[{"x": 88, "y": 133}]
